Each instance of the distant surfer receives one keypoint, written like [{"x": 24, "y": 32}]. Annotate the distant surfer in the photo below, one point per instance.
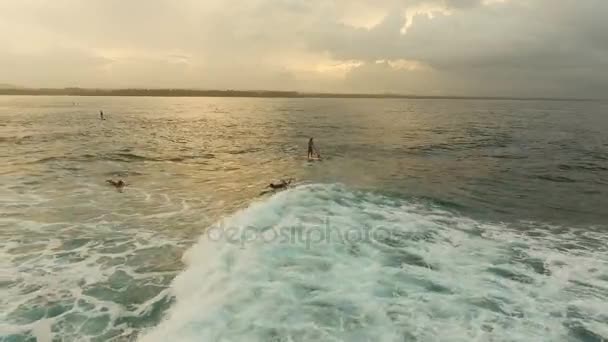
[
  {"x": 312, "y": 150},
  {"x": 119, "y": 184},
  {"x": 101, "y": 115}
]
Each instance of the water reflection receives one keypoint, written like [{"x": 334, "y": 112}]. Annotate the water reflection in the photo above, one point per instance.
[{"x": 493, "y": 157}]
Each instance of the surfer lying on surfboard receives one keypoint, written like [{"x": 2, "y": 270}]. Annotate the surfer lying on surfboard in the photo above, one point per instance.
[
  {"x": 119, "y": 184},
  {"x": 283, "y": 184}
]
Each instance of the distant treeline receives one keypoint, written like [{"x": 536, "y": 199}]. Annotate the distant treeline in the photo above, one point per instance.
[
  {"x": 145, "y": 92},
  {"x": 235, "y": 93}
]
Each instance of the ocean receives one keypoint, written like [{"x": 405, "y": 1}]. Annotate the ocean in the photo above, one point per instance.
[{"x": 426, "y": 220}]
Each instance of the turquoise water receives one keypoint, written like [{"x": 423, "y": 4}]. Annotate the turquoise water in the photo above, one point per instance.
[{"x": 426, "y": 220}]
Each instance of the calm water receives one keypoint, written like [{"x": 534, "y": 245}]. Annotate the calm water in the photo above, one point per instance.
[{"x": 427, "y": 220}]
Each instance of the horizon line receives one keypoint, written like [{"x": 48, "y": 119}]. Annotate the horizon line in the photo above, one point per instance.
[{"x": 186, "y": 92}]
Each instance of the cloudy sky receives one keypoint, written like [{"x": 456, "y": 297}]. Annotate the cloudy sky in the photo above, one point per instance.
[{"x": 435, "y": 47}]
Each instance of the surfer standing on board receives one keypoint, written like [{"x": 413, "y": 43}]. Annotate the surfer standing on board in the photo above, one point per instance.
[
  {"x": 101, "y": 115},
  {"x": 312, "y": 150}
]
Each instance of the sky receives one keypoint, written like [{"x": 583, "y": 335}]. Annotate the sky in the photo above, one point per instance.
[{"x": 556, "y": 48}]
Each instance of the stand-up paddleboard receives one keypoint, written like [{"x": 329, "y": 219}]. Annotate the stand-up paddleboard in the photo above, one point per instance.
[{"x": 317, "y": 158}]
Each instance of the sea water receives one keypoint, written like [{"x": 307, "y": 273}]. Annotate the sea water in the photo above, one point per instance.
[{"x": 427, "y": 220}]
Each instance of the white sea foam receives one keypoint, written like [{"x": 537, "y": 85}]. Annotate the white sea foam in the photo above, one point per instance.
[
  {"x": 99, "y": 276},
  {"x": 371, "y": 268}
]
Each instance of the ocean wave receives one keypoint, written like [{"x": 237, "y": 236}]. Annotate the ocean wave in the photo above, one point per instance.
[
  {"x": 556, "y": 178},
  {"x": 325, "y": 263},
  {"x": 582, "y": 167},
  {"x": 83, "y": 288},
  {"x": 43, "y": 138},
  {"x": 15, "y": 139},
  {"x": 120, "y": 157}
]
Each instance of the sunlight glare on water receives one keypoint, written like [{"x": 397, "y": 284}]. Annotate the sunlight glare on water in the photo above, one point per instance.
[{"x": 445, "y": 220}]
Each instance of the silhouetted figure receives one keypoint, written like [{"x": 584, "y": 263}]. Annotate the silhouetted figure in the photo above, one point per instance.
[
  {"x": 101, "y": 115},
  {"x": 119, "y": 185},
  {"x": 312, "y": 150},
  {"x": 283, "y": 184}
]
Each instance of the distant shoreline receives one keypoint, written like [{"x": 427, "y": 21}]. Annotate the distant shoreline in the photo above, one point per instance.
[{"x": 252, "y": 93}]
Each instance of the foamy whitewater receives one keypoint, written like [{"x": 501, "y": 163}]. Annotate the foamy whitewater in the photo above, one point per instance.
[
  {"x": 425, "y": 221},
  {"x": 322, "y": 263}
]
